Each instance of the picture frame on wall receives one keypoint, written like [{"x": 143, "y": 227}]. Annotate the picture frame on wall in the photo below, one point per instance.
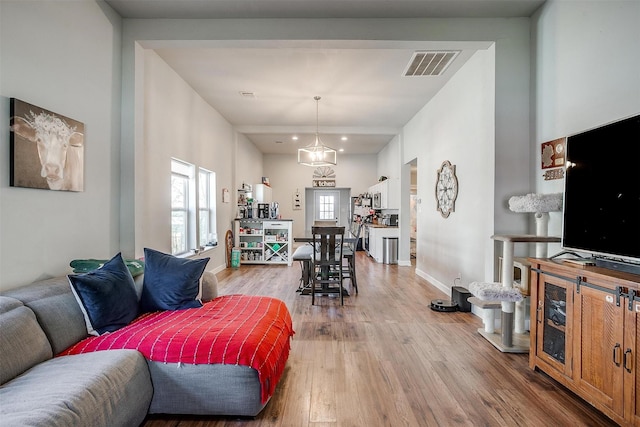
[{"x": 46, "y": 149}]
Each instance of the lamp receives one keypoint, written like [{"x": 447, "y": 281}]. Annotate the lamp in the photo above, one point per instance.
[{"x": 317, "y": 154}]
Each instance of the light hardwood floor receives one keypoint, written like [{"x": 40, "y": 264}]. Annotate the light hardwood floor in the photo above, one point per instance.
[{"x": 386, "y": 359}]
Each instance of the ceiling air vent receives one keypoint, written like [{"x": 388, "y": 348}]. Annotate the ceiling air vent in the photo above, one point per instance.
[{"x": 430, "y": 63}]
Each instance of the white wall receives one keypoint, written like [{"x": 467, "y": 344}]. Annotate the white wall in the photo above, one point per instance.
[
  {"x": 587, "y": 73},
  {"x": 179, "y": 123},
  {"x": 248, "y": 163},
  {"x": 63, "y": 56},
  {"x": 511, "y": 107},
  {"x": 457, "y": 125},
  {"x": 357, "y": 172},
  {"x": 572, "y": 91}
]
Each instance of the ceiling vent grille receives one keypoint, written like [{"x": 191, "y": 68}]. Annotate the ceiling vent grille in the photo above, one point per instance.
[{"x": 430, "y": 63}]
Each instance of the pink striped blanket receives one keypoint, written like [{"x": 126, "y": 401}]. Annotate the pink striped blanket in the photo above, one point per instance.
[{"x": 242, "y": 330}]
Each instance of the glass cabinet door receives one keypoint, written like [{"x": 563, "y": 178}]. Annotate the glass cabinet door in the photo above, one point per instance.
[{"x": 553, "y": 317}]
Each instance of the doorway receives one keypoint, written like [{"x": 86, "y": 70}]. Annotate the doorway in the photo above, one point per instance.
[
  {"x": 330, "y": 204},
  {"x": 413, "y": 211}
]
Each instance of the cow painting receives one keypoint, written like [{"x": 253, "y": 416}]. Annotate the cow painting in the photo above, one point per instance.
[{"x": 47, "y": 149}]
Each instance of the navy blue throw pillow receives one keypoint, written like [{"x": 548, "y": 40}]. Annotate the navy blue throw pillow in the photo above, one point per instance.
[
  {"x": 170, "y": 283},
  {"x": 107, "y": 296}
]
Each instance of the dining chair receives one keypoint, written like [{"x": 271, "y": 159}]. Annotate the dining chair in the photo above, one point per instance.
[
  {"x": 349, "y": 254},
  {"x": 327, "y": 261}
]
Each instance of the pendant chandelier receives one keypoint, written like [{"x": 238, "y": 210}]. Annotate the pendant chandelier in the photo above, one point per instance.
[{"x": 317, "y": 154}]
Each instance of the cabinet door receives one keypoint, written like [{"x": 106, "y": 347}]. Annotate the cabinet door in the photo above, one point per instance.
[
  {"x": 383, "y": 188},
  {"x": 372, "y": 235},
  {"x": 599, "y": 344},
  {"x": 631, "y": 362},
  {"x": 263, "y": 193},
  {"x": 554, "y": 322}
]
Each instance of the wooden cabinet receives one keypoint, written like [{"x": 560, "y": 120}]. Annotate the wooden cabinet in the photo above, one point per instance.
[
  {"x": 263, "y": 241},
  {"x": 586, "y": 334}
]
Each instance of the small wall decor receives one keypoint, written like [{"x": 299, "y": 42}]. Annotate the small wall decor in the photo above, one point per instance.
[
  {"x": 46, "y": 149},
  {"x": 324, "y": 176},
  {"x": 297, "y": 200},
  {"x": 552, "y": 154},
  {"x": 226, "y": 197},
  {"x": 446, "y": 189},
  {"x": 551, "y": 174}
]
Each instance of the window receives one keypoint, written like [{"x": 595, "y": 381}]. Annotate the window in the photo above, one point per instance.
[
  {"x": 193, "y": 208},
  {"x": 206, "y": 208},
  {"x": 326, "y": 205}
]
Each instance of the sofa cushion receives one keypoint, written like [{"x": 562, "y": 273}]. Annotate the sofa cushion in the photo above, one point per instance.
[
  {"x": 209, "y": 286},
  {"x": 22, "y": 341},
  {"x": 56, "y": 309},
  {"x": 106, "y": 296},
  {"x": 170, "y": 283},
  {"x": 205, "y": 389},
  {"x": 105, "y": 388}
]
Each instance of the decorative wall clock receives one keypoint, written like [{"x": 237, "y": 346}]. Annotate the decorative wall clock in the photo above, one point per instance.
[{"x": 446, "y": 189}]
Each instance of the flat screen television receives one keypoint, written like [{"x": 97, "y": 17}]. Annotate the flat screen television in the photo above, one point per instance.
[{"x": 601, "y": 213}]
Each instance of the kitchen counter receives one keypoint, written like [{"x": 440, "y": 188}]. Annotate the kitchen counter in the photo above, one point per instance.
[{"x": 375, "y": 235}]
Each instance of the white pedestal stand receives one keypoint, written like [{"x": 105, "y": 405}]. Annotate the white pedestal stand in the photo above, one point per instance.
[{"x": 511, "y": 342}]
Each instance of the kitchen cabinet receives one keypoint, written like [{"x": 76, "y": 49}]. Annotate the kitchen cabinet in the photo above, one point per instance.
[
  {"x": 586, "y": 334},
  {"x": 390, "y": 198},
  {"x": 376, "y": 233},
  {"x": 263, "y": 241},
  {"x": 262, "y": 193}
]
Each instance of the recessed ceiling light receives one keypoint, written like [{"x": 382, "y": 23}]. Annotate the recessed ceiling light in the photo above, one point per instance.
[
  {"x": 294, "y": 137},
  {"x": 341, "y": 150},
  {"x": 344, "y": 138}
]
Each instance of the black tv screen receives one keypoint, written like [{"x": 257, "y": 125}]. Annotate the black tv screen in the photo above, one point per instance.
[{"x": 602, "y": 191}]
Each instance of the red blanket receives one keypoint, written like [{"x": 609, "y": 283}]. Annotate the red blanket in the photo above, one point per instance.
[{"x": 234, "y": 329}]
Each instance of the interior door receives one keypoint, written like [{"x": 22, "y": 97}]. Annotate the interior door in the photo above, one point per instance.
[{"x": 326, "y": 205}]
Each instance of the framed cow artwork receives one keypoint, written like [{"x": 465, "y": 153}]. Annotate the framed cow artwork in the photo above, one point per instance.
[{"x": 46, "y": 149}]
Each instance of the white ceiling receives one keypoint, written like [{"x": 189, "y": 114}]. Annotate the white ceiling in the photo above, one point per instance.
[{"x": 364, "y": 93}]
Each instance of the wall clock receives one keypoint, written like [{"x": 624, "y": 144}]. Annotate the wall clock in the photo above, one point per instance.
[{"x": 446, "y": 189}]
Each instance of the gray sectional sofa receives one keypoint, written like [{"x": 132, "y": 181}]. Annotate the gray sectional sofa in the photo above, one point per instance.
[
  {"x": 108, "y": 388},
  {"x": 104, "y": 388}
]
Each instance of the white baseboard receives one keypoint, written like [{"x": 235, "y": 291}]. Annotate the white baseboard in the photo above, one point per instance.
[{"x": 444, "y": 288}]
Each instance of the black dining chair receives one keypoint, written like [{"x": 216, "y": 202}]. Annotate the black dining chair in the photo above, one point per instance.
[
  {"x": 349, "y": 254},
  {"x": 327, "y": 261}
]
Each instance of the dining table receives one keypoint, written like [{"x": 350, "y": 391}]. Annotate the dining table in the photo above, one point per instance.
[{"x": 349, "y": 238}]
